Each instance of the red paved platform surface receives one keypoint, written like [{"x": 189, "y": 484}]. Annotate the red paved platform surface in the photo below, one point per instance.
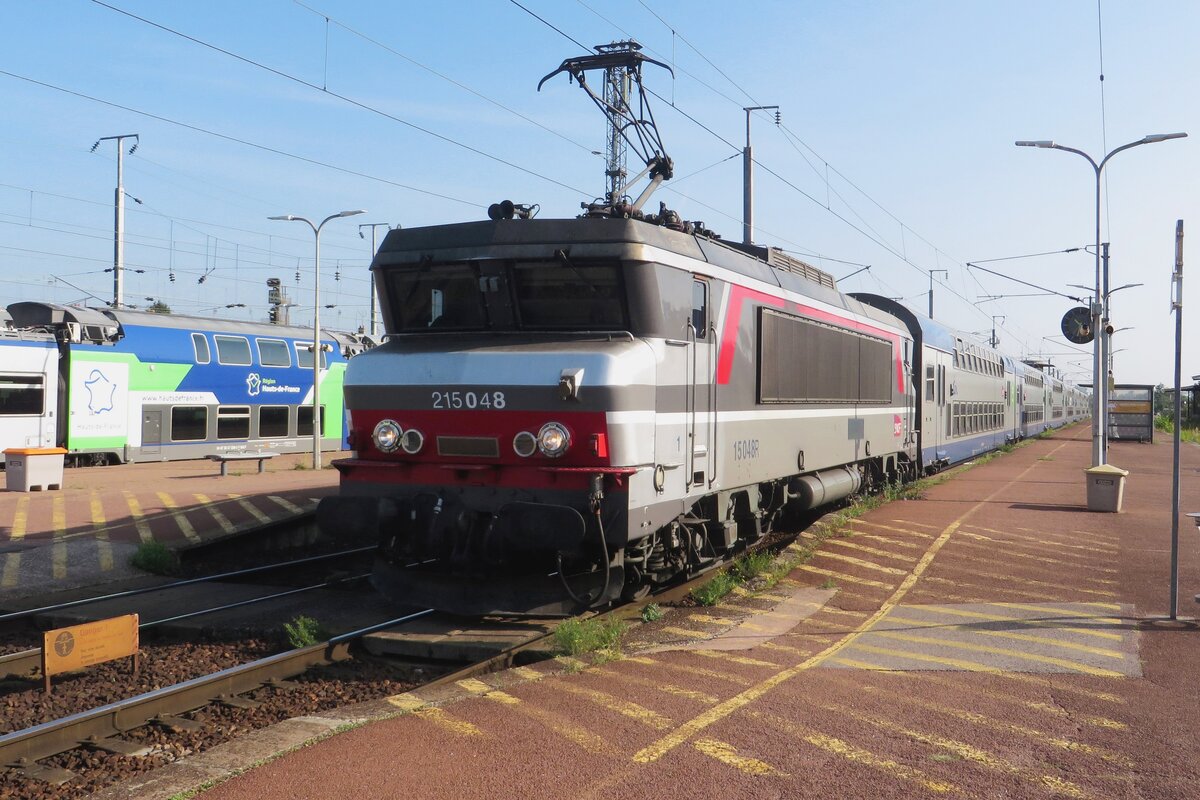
[{"x": 993, "y": 639}]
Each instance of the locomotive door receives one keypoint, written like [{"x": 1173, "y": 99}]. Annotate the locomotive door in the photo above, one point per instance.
[{"x": 701, "y": 396}]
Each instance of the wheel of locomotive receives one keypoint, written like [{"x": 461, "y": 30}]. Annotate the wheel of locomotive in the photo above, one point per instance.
[{"x": 636, "y": 586}]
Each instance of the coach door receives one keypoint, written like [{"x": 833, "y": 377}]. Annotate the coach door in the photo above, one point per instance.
[
  {"x": 701, "y": 393},
  {"x": 152, "y": 424}
]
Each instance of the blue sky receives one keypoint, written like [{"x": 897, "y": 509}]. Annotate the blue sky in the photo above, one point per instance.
[{"x": 896, "y": 148}]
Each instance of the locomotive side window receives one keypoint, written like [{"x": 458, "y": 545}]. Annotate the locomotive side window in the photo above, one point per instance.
[
  {"x": 567, "y": 294},
  {"x": 200, "y": 346},
  {"x": 700, "y": 308},
  {"x": 189, "y": 423},
  {"x": 437, "y": 296},
  {"x": 233, "y": 350},
  {"x": 22, "y": 394}
]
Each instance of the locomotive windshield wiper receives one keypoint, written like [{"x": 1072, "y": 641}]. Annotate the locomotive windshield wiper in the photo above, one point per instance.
[{"x": 566, "y": 261}]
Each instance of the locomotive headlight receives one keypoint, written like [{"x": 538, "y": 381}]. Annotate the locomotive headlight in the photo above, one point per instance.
[
  {"x": 553, "y": 439},
  {"x": 412, "y": 441},
  {"x": 387, "y": 435},
  {"x": 525, "y": 444}
]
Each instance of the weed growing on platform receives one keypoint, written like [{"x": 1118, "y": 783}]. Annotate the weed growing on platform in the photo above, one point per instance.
[
  {"x": 652, "y": 613},
  {"x": 711, "y": 593},
  {"x": 155, "y": 558},
  {"x": 593, "y": 635},
  {"x": 304, "y": 632},
  {"x": 754, "y": 564},
  {"x": 829, "y": 583}
]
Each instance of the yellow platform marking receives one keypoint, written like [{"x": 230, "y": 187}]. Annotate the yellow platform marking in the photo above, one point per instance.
[
  {"x": 658, "y": 685},
  {"x": 12, "y": 570},
  {"x": 743, "y": 608},
  {"x": 185, "y": 526},
  {"x": 576, "y": 734},
  {"x": 1106, "y": 541},
  {"x": 1041, "y": 544},
  {"x": 686, "y": 633},
  {"x": 875, "y": 537},
  {"x": 139, "y": 519},
  {"x": 571, "y": 663},
  {"x": 1098, "y": 722},
  {"x": 656, "y": 750},
  {"x": 966, "y": 751},
  {"x": 992, "y": 588},
  {"x": 691, "y": 671},
  {"x": 1033, "y": 680},
  {"x": 1097, "y": 617},
  {"x": 446, "y": 722},
  {"x": 285, "y": 504},
  {"x": 626, "y": 708},
  {"x": 406, "y": 701},
  {"x": 875, "y": 551},
  {"x": 1045, "y": 623},
  {"x": 1041, "y": 559},
  {"x": 58, "y": 552},
  {"x": 711, "y": 620},
  {"x": 723, "y": 656},
  {"x": 918, "y": 524},
  {"x": 475, "y": 686},
  {"x": 842, "y": 612},
  {"x": 528, "y": 673},
  {"x": 856, "y": 755},
  {"x": 20, "y": 519},
  {"x": 253, "y": 511},
  {"x": 1071, "y": 745},
  {"x": 1021, "y": 637},
  {"x": 841, "y": 576},
  {"x": 858, "y": 562},
  {"x": 999, "y": 576},
  {"x": 882, "y": 527},
  {"x": 216, "y": 513},
  {"x": 783, "y": 648},
  {"x": 103, "y": 547},
  {"x": 727, "y": 754},
  {"x": 1074, "y": 666}
]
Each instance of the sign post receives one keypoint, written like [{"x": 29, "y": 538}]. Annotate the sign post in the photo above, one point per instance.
[{"x": 79, "y": 646}]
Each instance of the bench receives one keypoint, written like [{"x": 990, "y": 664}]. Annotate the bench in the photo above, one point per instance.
[{"x": 225, "y": 458}]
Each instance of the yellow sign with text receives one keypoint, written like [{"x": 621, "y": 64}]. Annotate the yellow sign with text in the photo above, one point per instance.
[{"x": 79, "y": 646}]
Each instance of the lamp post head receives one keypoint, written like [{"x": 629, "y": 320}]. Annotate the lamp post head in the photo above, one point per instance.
[
  {"x": 1162, "y": 137},
  {"x": 1036, "y": 143},
  {"x": 349, "y": 213}
]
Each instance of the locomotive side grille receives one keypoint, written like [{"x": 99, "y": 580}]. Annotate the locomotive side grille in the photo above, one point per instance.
[{"x": 474, "y": 446}]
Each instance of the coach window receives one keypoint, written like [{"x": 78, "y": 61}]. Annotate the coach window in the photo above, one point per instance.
[
  {"x": 233, "y": 350},
  {"x": 700, "y": 308},
  {"x": 304, "y": 357},
  {"x": 273, "y": 422},
  {"x": 22, "y": 394},
  {"x": 189, "y": 423},
  {"x": 273, "y": 353},
  {"x": 304, "y": 418},
  {"x": 200, "y": 346},
  {"x": 233, "y": 422}
]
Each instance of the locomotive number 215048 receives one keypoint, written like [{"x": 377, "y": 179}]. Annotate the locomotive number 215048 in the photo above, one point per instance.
[{"x": 455, "y": 400}]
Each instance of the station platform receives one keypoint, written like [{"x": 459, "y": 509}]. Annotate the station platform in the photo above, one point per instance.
[
  {"x": 85, "y": 533},
  {"x": 990, "y": 639}
]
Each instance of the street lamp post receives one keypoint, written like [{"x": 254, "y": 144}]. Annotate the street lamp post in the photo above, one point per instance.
[
  {"x": 1098, "y": 309},
  {"x": 316, "y": 346}
]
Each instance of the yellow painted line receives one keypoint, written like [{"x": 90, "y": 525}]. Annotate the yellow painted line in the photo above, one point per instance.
[
  {"x": 783, "y": 648},
  {"x": 1107, "y": 541},
  {"x": 626, "y": 708},
  {"x": 406, "y": 701},
  {"x": 1032, "y": 680},
  {"x": 285, "y": 504},
  {"x": 843, "y": 612},
  {"x": 1000, "y": 576},
  {"x": 1110, "y": 606},
  {"x": 656, "y": 750},
  {"x": 1074, "y": 666},
  {"x": 711, "y": 620},
  {"x": 573, "y": 733},
  {"x": 58, "y": 552},
  {"x": 956, "y": 663},
  {"x": 1099, "y": 722},
  {"x": 1056, "y": 606},
  {"x": 1020, "y": 637},
  {"x": 686, "y": 633},
  {"x": 12, "y": 570},
  {"x": 139, "y": 519},
  {"x": 1040, "y": 559},
  {"x": 1048, "y": 624},
  {"x": 918, "y": 534},
  {"x": 891, "y": 542},
  {"x": 858, "y": 562},
  {"x": 727, "y": 754},
  {"x": 571, "y": 663},
  {"x": 20, "y": 519},
  {"x": 99, "y": 521},
  {"x": 447, "y": 722},
  {"x": 991, "y": 588},
  {"x": 1071, "y": 745},
  {"x": 723, "y": 656},
  {"x": 967, "y": 752},
  {"x": 856, "y": 755},
  {"x": 862, "y": 548},
  {"x": 918, "y": 524},
  {"x": 743, "y": 608},
  {"x": 185, "y": 526},
  {"x": 841, "y": 576},
  {"x": 668, "y": 688},
  {"x": 476, "y": 686},
  {"x": 217, "y": 515},
  {"x": 253, "y": 511},
  {"x": 528, "y": 673},
  {"x": 1042, "y": 544},
  {"x": 691, "y": 671}
]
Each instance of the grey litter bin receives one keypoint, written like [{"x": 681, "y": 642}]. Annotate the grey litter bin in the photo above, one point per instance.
[
  {"x": 33, "y": 469},
  {"x": 1105, "y": 488}
]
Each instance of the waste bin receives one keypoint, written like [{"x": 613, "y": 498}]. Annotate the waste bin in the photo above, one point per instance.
[
  {"x": 1105, "y": 488},
  {"x": 33, "y": 469}
]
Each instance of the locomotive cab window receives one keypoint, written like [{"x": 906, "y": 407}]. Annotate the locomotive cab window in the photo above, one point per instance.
[
  {"x": 437, "y": 296},
  {"x": 569, "y": 294}
]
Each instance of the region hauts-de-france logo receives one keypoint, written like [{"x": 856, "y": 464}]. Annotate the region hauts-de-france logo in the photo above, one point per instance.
[
  {"x": 253, "y": 384},
  {"x": 101, "y": 392}
]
